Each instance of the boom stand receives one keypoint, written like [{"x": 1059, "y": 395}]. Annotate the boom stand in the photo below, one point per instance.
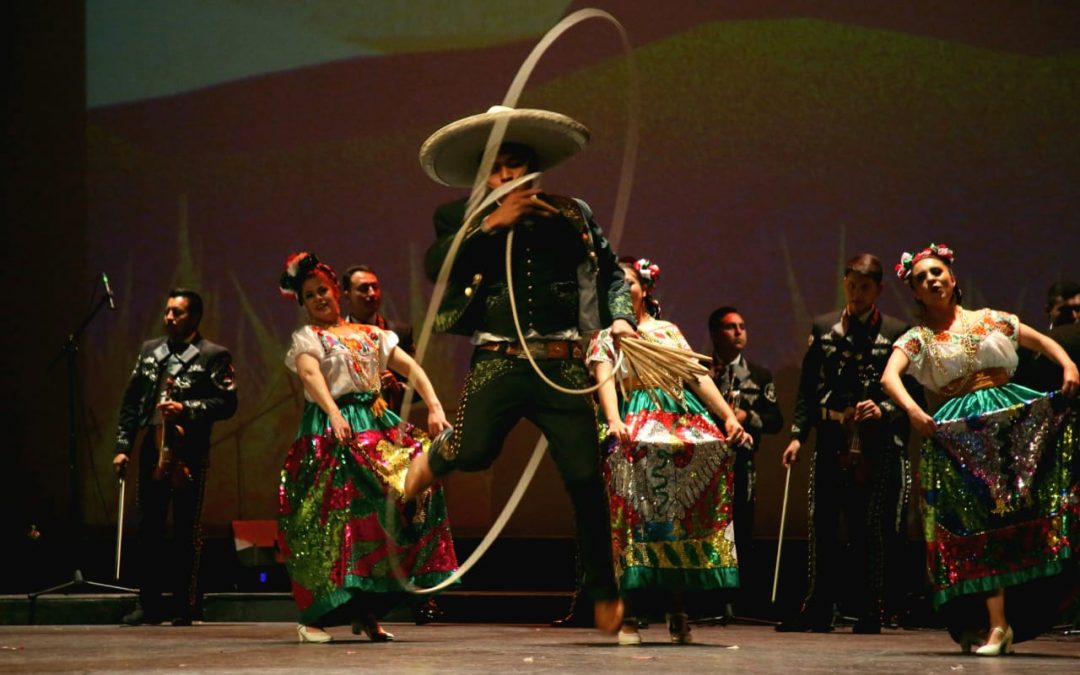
[{"x": 69, "y": 352}]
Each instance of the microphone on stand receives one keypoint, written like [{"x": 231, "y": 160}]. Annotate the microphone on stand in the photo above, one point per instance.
[{"x": 108, "y": 290}]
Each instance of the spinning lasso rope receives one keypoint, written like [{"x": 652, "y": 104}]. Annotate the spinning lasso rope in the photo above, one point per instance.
[{"x": 476, "y": 204}]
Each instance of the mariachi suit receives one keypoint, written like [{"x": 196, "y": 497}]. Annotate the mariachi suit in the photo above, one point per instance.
[
  {"x": 203, "y": 381},
  {"x": 1038, "y": 371},
  {"x": 567, "y": 281},
  {"x": 756, "y": 394},
  {"x": 864, "y": 478}
]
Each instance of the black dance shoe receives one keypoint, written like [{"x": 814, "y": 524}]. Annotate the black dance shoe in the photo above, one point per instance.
[
  {"x": 573, "y": 618},
  {"x": 679, "y": 628},
  {"x": 805, "y": 622},
  {"x": 370, "y": 627},
  {"x": 425, "y": 612},
  {"x": 870, "y": 625}
]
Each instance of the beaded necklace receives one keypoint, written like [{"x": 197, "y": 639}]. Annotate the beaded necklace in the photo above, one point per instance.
[{"x": 970, "y": 344}]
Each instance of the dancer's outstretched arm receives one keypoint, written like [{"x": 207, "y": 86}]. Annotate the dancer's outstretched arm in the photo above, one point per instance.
[{"x": 403, "y": 363}]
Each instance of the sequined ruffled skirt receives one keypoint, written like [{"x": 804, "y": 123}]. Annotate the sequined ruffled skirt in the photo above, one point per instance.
[
  {"x": 669, "y": 494},
  {"x": 341, "y": 548},
  {"x": 1001, "y": 506}
]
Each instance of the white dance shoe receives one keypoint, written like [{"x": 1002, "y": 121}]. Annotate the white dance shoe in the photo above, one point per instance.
[
  {"x": 997, "y": 649},
  {"x": 312, "y": 634}
]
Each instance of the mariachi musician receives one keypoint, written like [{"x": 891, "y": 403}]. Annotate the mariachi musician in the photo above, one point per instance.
[
  {"x": 181, "y": 385},
  {"x": 859, "y": 462}
]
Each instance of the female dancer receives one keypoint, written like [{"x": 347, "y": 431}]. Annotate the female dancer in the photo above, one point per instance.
[
  {"x": 668, "y": 471},
  {"x": 999, "y": 467},
  {"x": 346, "y": 557}
]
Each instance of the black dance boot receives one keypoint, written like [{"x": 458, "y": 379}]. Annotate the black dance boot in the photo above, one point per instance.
[
  {"x": 426, "y": 611},
  {"x": 808, "y": 620},
  {"x": 868, "y": 624}
]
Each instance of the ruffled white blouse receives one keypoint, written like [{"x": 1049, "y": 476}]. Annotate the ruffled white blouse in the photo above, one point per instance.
[
  {"x": 602, "y": 346},
  {"x": 350, "y": 364},
  {"x": 940, "y": 358}
]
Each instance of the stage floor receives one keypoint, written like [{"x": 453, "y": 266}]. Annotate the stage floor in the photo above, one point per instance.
[{"x": 470, "y": 648}]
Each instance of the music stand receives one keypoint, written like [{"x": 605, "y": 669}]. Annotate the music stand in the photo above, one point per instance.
[{"x": 68, "y": 352}]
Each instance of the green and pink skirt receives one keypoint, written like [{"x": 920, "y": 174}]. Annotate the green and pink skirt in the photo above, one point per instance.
[
  {"x": 669, "y": 495},
  {"x": 1001, "y": 506},
  {"x": 342, "y": 545}
]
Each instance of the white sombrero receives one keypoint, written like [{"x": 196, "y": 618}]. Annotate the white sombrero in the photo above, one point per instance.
[{"x": 451, "y": 155}]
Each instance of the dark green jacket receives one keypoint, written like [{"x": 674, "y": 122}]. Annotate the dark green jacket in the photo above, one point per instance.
[{"x": 565, "y": 274}]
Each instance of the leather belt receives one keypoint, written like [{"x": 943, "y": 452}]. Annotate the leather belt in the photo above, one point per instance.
[{"x": 540, "y": 349}]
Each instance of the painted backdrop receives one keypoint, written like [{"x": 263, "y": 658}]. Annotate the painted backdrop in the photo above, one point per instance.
[{"x": 777, "y": 139}]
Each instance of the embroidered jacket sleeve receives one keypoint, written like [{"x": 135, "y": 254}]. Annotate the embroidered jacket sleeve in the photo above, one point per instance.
[
  {"x": 764, "y": 417},
  {"x": 131, "y": 413},
  {"x": 219, "y": 401},
  {"x": 889, "y": 410},
  {"x": 610, "y": 275},
  {"x": 805, "y": 399}
]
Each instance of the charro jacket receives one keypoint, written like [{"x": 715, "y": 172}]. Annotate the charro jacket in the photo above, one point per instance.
[
  {"x": 843, "y": 367},
  {"x": 757, "y": 396},
  {"x": 205, "y": 383},
  {"x": 565, "y": 274}
]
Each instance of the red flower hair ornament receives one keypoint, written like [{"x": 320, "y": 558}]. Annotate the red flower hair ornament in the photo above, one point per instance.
[
  {"x": 908, "y": 260},
  {"x": 648, "y": 272},
  {"x": 298, "y": 267}
]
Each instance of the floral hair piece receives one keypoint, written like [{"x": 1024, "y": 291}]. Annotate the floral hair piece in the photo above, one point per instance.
[
  {"x": 649, "y": 272},
  {"x": 300, "y": 266},
  {"x": 908, "y": 260}
]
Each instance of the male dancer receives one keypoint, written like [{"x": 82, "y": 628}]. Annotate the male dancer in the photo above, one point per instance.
[{"x": 567, "y": 281}]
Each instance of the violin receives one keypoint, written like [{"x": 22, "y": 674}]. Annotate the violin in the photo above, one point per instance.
[{"x": 169, "y": 440}]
